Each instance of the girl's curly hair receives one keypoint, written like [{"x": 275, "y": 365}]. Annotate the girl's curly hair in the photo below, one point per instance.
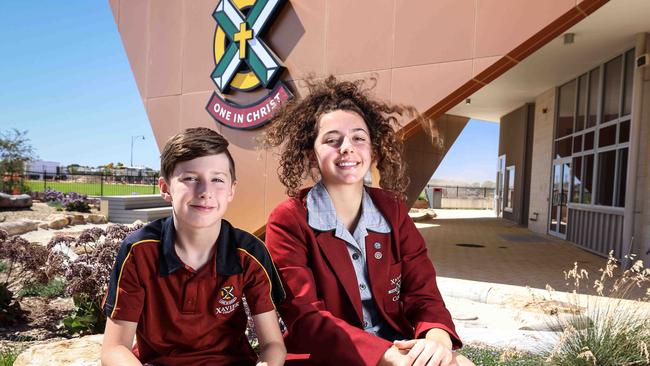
[{"x": 295, "y": 126}]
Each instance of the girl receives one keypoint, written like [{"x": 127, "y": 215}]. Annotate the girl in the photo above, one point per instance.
[{"x": 357, "y": 277}]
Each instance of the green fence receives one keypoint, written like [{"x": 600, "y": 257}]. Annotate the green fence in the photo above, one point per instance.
[{"x": 92, "y": 184}]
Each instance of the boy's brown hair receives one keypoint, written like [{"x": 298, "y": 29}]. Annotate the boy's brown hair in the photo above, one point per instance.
[
  {"x": 194, "y": 143},
  {"x": 295, "y": 126}
]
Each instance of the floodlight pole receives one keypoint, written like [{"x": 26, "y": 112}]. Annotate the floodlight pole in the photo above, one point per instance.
[{"x": 132, "y": 139}]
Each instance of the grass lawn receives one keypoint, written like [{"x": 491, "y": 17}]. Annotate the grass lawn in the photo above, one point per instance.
[
  {"x": 488, "y": 356},
  {"x": 94, "y": 189}
]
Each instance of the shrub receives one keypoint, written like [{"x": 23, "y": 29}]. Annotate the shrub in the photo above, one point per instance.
[
  {"x": 87, "y": 276},
  {"x": 25, "y": 263},
  {"x": 52, "y": 289},
  {"x": 616, "y": 328},
  {"x": 71, "y": 201}
]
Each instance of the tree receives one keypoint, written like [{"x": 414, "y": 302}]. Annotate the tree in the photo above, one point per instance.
[
  {"x": 73, "y": 168},
  {"x": 15, "y": 152}
]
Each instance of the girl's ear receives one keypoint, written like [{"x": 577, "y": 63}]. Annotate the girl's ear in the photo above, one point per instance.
[{"x": 313, "y": 161}]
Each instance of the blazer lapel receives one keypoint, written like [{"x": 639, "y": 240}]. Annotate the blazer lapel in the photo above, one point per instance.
[{"x": 339, "y": 259}]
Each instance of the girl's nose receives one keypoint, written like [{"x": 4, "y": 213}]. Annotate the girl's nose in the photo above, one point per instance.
[{"x": 346, "y": 145}]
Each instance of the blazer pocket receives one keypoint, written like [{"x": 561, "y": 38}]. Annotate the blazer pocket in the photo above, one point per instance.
[{"x": 393, "y": 294}]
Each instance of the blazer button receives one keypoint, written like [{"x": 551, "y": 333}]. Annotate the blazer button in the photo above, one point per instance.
[
  {"x": 377, "y": 245},
  {"x": 378, "y": 255},
  {"x": 355, "y": 256}
]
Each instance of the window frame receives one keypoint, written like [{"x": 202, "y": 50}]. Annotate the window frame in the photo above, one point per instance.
[{"x": 599, "y": 125}]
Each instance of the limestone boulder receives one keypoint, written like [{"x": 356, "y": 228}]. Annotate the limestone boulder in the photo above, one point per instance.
[
  {"x": 9, "y": 201},
  {"x": 84, "y": 351},
  {"x": 20, "y": 226},
  {"x": 57, "y": 221},
  {"x": 96, "y": 219},
  {"x": 76, "y": 219}
]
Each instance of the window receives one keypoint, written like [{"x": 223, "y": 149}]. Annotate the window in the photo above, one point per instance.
[
  {"x": 593, "y": 129},
  {"x": 510, "y": 194}
]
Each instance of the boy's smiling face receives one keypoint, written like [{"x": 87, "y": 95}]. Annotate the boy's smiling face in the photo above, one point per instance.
[{"x": 199, "y": 190}]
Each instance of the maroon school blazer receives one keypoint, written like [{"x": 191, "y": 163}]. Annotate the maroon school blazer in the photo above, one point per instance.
[{"x": 322, "y": 309}]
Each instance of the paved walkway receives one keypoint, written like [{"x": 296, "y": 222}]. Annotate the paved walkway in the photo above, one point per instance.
[{"x": 494, "y": 250}]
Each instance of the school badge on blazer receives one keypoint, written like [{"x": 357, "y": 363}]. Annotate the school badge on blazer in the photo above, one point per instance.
[
  {"x": 244, "y": 62},
  {"x": 396, "y": 286}
]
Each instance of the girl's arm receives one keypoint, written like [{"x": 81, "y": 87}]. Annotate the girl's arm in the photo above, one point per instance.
[
  {"x": 312, "y": 327},
  {"x": 272, "y": 350},
  {"x": 118, "y": 340}
]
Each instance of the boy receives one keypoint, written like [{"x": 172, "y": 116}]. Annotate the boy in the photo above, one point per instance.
[{"x": 177, "y": 284}]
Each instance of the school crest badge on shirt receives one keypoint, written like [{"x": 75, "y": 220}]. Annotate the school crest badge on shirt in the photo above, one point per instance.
[{"x": 227, "y": 299}]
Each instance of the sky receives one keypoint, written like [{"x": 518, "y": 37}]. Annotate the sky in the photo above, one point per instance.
[
  {"x": 473, "y": 156},
  {"x": 65, "y": 78}
]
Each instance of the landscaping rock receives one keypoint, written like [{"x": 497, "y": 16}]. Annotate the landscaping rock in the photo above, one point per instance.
[
  {"x": 15, "y": 201},
  {"x": 19, "y": 226},
  {"x": 96, "y": 219},
  {"x": 57, "y": 221},
  {"x": 85, "y": 351},
  {"x": 76, "y": 219}
]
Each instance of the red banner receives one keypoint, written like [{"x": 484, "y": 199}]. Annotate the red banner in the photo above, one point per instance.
[{"x": 250, "y": 116}]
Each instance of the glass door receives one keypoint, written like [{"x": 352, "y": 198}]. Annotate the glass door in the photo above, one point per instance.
[
  {"x": 498, "y": 194},
  {"x": 559, "y": 197}
]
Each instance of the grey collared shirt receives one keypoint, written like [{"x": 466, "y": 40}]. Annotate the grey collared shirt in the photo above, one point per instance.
[{"x": 321, "y": 216}]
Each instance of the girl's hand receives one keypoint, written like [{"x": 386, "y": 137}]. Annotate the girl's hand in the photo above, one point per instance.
[{"x": 427, "y": 352}]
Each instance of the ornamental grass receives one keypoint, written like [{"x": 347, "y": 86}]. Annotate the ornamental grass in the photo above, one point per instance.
[{"x": 615, "y": 326}]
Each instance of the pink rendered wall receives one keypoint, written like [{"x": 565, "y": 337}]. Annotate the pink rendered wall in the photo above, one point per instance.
[{"x": 420, "y": 51}]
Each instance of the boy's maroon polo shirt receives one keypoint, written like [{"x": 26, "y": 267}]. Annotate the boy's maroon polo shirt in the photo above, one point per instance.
[{"x": 188, "y": 317}]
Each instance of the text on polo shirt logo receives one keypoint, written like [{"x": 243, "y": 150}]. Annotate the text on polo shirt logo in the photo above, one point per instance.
[
  {"x": 228, "y": 299},
  {"x": 395, "y": 291}
]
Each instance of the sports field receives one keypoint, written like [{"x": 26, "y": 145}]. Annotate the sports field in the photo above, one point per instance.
[{"x": 93, "y": 189}]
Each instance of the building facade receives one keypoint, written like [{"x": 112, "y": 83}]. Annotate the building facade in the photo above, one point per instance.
[{"x": 571, "y": 163}]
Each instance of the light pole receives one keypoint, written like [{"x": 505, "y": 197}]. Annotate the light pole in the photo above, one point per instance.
[{"x": 132, "y": 139}]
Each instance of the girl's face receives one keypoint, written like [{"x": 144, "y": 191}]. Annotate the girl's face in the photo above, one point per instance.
[{"x": 343, "y": 148}]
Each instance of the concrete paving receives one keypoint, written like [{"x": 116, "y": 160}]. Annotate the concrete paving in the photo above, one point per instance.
[
  {"x": 494, "y": 250},
  {"x": 474, "y": 252}
]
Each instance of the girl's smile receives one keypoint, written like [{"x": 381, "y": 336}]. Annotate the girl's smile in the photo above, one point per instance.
[{"x": 343, "y": 148}]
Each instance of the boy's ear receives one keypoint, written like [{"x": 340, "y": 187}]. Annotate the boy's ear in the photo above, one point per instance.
[
  {"x": 232, "y": 191},
  {"x": 164, "y": 189}
]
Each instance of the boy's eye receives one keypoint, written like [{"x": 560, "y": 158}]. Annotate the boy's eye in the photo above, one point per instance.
[
  {"x": 189, "y": 179},
  {"x": 218, "y": 180}
]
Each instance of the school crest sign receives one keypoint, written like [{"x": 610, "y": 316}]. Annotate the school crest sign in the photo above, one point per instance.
[{"x": 243, "y": 62}]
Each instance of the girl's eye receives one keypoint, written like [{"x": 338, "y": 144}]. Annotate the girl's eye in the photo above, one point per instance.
[
  {"x": 330, "y": 141},
  {"x": 359, "y": 138}
]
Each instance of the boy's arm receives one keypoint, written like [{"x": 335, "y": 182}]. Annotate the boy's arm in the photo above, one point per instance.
[
  {"x": 272, "y": 350},
  {"x": 118, "y": 340}
]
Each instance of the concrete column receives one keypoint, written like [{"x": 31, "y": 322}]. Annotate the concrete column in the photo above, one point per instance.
[{"x": 632, "y": 239}]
